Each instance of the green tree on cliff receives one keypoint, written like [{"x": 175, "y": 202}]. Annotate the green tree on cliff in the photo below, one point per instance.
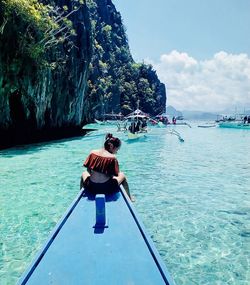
[{"x": 123, "y": 82}]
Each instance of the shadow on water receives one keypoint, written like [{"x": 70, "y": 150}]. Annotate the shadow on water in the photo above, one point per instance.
[{"x": 35, "y": 147}]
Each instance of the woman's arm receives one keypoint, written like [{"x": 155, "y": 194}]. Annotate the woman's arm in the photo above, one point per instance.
[{"x": 122, "y": 180}]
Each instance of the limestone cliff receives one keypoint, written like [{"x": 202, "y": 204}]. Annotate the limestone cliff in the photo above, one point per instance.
[
  {"x": 87, "y": 70},
  {"x": 116, "y": 82},
  {"x": 43, "y": 102}
]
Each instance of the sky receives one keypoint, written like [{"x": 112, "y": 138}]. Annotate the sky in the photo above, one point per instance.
[{"x": 200, "y": 49}]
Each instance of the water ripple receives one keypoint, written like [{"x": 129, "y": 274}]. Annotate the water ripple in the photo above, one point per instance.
[{"x": 193, "y": 198}]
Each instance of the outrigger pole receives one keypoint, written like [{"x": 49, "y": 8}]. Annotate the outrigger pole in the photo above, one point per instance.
[{"x": 174, "y": 132}]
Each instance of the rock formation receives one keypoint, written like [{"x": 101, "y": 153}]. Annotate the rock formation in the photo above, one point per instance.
[{"x": 88, "y": 73}]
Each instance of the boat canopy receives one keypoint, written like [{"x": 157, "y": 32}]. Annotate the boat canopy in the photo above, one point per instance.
[{"x": 137, "y": 114}]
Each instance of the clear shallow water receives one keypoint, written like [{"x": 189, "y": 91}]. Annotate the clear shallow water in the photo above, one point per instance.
[{"x": 193, "y": 197}]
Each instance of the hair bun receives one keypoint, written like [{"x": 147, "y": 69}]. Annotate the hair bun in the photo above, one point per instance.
[
  {"x": 109, "y": 136},
  {"x": 111, "y": 141}
]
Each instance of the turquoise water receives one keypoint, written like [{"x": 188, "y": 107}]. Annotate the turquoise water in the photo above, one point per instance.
[{"x": 193, "y": 198}]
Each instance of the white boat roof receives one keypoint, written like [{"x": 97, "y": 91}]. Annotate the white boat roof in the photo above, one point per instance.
[
  {"x": 137, "y": 112},
  {"x": 136, "y": 116}
]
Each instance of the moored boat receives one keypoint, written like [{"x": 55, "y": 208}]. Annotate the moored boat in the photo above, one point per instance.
[
  {"x": 138, "y": 126},
  {"x": 207, "y": 125},
  {"x": 235, "y": 125},
  {"x": 162, "y": 125}
]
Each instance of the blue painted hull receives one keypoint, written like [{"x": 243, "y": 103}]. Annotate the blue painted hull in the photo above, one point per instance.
[{"x": 79, "y": 253}]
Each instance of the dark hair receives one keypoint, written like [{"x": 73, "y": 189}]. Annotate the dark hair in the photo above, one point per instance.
[{"x": 110, "y": 140}]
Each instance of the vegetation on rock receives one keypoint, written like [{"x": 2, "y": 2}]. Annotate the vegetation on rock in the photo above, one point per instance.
[
  {"x": 64, "y": 63},
  {"x": 30, "y": 28},
  {"x": 116, "y": 82}
]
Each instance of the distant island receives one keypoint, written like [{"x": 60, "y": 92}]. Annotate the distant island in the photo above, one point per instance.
[
  {"x": 199, "y": 115},
  {"x": 171, "y": 111},
  {"x": 196, "y": 115}
]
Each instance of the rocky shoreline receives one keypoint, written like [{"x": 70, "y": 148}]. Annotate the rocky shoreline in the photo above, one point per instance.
[{"x": 11, "y": 139}]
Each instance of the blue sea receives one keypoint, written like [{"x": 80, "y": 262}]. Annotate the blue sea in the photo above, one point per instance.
[{"x": 193, "y": 198}]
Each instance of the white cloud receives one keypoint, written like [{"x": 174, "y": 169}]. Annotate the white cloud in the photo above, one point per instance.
[{"x": 216, "y": 84}]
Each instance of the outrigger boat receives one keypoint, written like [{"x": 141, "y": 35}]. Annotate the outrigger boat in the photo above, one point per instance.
[
  {"x": 138, "y": 124},
  {"x": 235, "y": 125},
  {"x": 162, "y": 125},
  {"x": 100, "y": 240},
  {"x": 163, "y": 121},
  {"x": 207, "y": 125}
]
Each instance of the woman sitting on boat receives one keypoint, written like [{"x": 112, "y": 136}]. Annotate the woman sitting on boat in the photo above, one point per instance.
[{"x": 103, "y": 175}]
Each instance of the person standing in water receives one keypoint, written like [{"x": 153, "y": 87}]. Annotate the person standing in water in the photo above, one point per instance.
[{"x": 103, "y": 175}]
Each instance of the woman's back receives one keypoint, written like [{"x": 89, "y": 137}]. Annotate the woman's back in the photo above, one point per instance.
[
  {"x": 102, "y": 165},
  {"x": 103, "y": 174},
  {"x": 103, "y": 152}
]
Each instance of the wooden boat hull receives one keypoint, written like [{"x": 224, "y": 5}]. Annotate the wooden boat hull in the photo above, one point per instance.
[
  {"x": 78, "y": 252},
  {"x": 136, "y": 136},
  {"x": 207, "y": 126}
]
